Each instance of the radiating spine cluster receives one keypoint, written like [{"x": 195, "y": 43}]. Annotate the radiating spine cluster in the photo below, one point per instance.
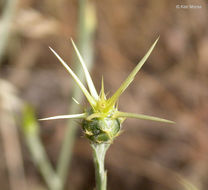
[{"x": 102, "y": 122}]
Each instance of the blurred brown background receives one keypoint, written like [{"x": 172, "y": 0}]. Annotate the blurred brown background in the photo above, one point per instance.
[{"x": 173, "y": 84}]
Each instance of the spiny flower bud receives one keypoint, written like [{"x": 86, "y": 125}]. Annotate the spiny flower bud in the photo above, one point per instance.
[
  {"x": 101, "y": 130},
  {"x": 102, "y": 122}
]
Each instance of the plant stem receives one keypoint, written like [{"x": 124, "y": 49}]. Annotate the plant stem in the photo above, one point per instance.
[
  {"x": 99, "y": 151},
  {"x": 86, "y": 30},
  {"x": 7, "y": 16},
  {"x": 10, "y": 141},
  {"x": 41, "y": 160},
  {"x": 31, "y": 132}
]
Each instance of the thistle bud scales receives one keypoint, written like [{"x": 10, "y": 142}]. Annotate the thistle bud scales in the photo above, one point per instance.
[{"x": 101, "y": 130}]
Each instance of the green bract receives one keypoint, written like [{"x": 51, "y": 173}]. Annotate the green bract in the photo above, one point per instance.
[
  {"x": 101, "y": 130},
  {"x": 102, "y": 122}
]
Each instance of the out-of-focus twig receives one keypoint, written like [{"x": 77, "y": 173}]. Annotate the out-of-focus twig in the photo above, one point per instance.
[
  {"x": 31, "y": 133},
  {"x": 5, "y": 24},
  {"x": 86, "y": 28},
  {"x": 13, "y": 157},
  {"x": 186, "y": 184}
]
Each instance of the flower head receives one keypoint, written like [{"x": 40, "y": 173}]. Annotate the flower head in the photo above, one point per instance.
[{"x": 102, "y": 121}]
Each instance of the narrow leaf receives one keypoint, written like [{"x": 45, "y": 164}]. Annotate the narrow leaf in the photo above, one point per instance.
[
  {"x": 142, "y": 116},
  {"x": 79, "y": 83},
  {"x": 75, "y": 116},
  {"x": 130, "y": 78},
  {"x": 86, "y": 72}
]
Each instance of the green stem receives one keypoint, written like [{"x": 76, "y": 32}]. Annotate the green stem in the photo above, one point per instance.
[
  {"x": 40, "y": 159},
  {"x": 99, "y": 151},
  {"x": 30, "y": 130},
  {"x": 5, "y": 29},
  {"x": 86, "y": 30}
]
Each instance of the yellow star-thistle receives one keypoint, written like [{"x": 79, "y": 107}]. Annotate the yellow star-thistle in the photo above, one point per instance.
[{"x": 102, "y": 121}]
